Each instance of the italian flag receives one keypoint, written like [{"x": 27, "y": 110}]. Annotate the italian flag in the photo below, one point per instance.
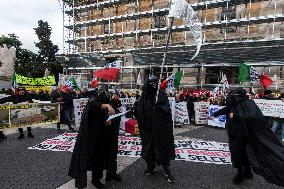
[
  {"x": 172, "y": 82},
  {"x": 249, "y": 74}
]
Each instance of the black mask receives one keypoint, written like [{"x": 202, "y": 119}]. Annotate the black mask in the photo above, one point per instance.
[
  {"x": 103, "y": 96},
  {"x": 153, "y": 82}
]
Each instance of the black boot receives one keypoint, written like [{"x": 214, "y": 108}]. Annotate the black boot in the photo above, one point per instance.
[
  {"x": 2, "y": 136},
  {"x": 239, "y": 177},
  {"x": 248, "y": 173},
  {"x": 168, "y": 175},
  {"x": 113, "y": 176},
  {"x": 21, "y": 131},
  {"x": 30, "y": 133}
]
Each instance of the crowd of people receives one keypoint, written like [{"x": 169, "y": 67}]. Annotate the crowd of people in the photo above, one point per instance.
[{"x": 97, "y": 143}]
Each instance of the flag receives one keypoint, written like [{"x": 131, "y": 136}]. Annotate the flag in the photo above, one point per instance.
[
  {"x": 244, "y": 73},
  {"x": 182, "y": 10},
  {"x": 275, "y": 80},
  {"x": 74, "y": 84},
  {"x": 254, "y": 75},
  {"x": 14, "y": 82},
  {"x": 265, "y": 81},
  {"x": 94, "y": 83},
  {"x": 109, "y": 72},
  {"x": 224, "y": 81},
  {"x": 172, "y": 81}
]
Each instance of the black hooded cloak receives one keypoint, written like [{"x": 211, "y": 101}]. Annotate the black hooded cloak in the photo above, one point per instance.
[
  {"x": 155, "y": 125},
  {"x": 88, "y": 151},
  {"x": 264, "y": 150}
]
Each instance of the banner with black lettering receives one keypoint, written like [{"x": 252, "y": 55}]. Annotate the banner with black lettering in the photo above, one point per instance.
[
  {"x": 273, "y": 108},
  {"x": 43, "y": 81},
  {"x": 64, "y": 142},
  {"x": 127, "y": 101},
  {"x": 128, "y": 146},
  {"x": 181, "y": 114}
]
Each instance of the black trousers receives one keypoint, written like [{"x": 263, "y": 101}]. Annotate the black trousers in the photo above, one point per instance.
[
  {"x": 152, "y": 162},
  {"x": 238, "y": 150},
  {"x": 106, "y": 154}
]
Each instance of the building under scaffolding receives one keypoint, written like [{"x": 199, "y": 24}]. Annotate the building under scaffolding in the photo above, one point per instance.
[{"x": 234, "y": 31}]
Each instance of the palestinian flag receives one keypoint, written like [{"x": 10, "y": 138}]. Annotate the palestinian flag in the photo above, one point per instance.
[
  {"x": 172, "y": 82},
  {"x": 249, "y": 73},
  {"x": 110, "y": 71}
]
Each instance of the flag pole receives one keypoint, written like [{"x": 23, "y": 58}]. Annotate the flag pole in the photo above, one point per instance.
[{"x": 171, "y": 20}]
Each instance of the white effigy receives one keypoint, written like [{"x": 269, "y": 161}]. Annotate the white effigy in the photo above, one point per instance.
[{"x": 7, "y": 60}]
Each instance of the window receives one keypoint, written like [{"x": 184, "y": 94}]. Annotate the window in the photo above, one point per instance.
[
  {"x": 229, "y": 12},
  {"x": 160, "y": 22}
]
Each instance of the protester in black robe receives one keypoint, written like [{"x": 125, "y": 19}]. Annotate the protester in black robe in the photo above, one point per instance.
[
  {"x": 156, "y": 128},
  {"x": 111, "y": 142},
  {"x": 90, "y": 149},
  {"x": 252, "y": 144}
]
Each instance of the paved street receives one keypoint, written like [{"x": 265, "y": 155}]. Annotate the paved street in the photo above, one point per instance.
[{"x": 30, "y": 169}]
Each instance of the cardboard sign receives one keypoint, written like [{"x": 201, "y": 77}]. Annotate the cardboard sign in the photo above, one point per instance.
[
  {"x": 219, "y": 121},
  {"x": 272, "y": 108},
  {"x": 201, "y": 112},
  {"x": 127, "y": 101},
  {"x": 181, "y": 114},
  {"x": 79, "y": 106}
]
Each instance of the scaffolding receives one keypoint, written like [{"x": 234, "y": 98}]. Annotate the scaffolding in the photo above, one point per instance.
[{"x": 136, "y": 29}]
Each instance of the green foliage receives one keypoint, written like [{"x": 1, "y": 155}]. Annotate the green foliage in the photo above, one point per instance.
[
  {"x": 30, "y": 64},
  {"x": 11, "y": 41},
  {"x": 47, "y": 50}
]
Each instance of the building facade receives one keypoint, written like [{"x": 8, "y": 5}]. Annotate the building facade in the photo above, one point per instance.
[{"x": 234, "y": 31}]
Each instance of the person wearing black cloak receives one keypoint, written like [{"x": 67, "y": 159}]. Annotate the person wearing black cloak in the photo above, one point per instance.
[
  {"x": 94, "y": 143},
  {"x": 251, "y": 142},
  {"x": 156, "y": 128}
]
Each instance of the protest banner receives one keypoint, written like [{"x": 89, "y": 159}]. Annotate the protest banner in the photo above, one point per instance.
[
  {"x": 181, "y": 114},
  {"x": 273, "y": 108},
  {"x": 219, "y": 121},
  {"x": 28, "y": 114},
  {"x": 201, "y": 112},
  {"x": 43, "y": 81},
  {"x": 37, "y": 88},
  {"x": 79, "y": 106},
  {"x": 128, "y": 146},
  {"x": 4, "y": 116},
  {"x": 64, "y": 142}
]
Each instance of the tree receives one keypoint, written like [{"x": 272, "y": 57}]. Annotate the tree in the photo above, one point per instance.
[
  {"x": 11, "y": 41},
  {"x": 47, "y": 50}
]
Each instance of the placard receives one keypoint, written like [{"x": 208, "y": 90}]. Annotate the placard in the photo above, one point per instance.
[
  {"x": 181, "y": 114},
  {"x": 201, "y": 112},
  {"x": 273, "y": 108},
  {"x": 219, "y": 121},
  {"x": 79, "y": 106}
]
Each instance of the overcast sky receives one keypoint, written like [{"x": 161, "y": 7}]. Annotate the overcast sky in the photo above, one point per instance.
[{"x": 21, "y": 16}]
